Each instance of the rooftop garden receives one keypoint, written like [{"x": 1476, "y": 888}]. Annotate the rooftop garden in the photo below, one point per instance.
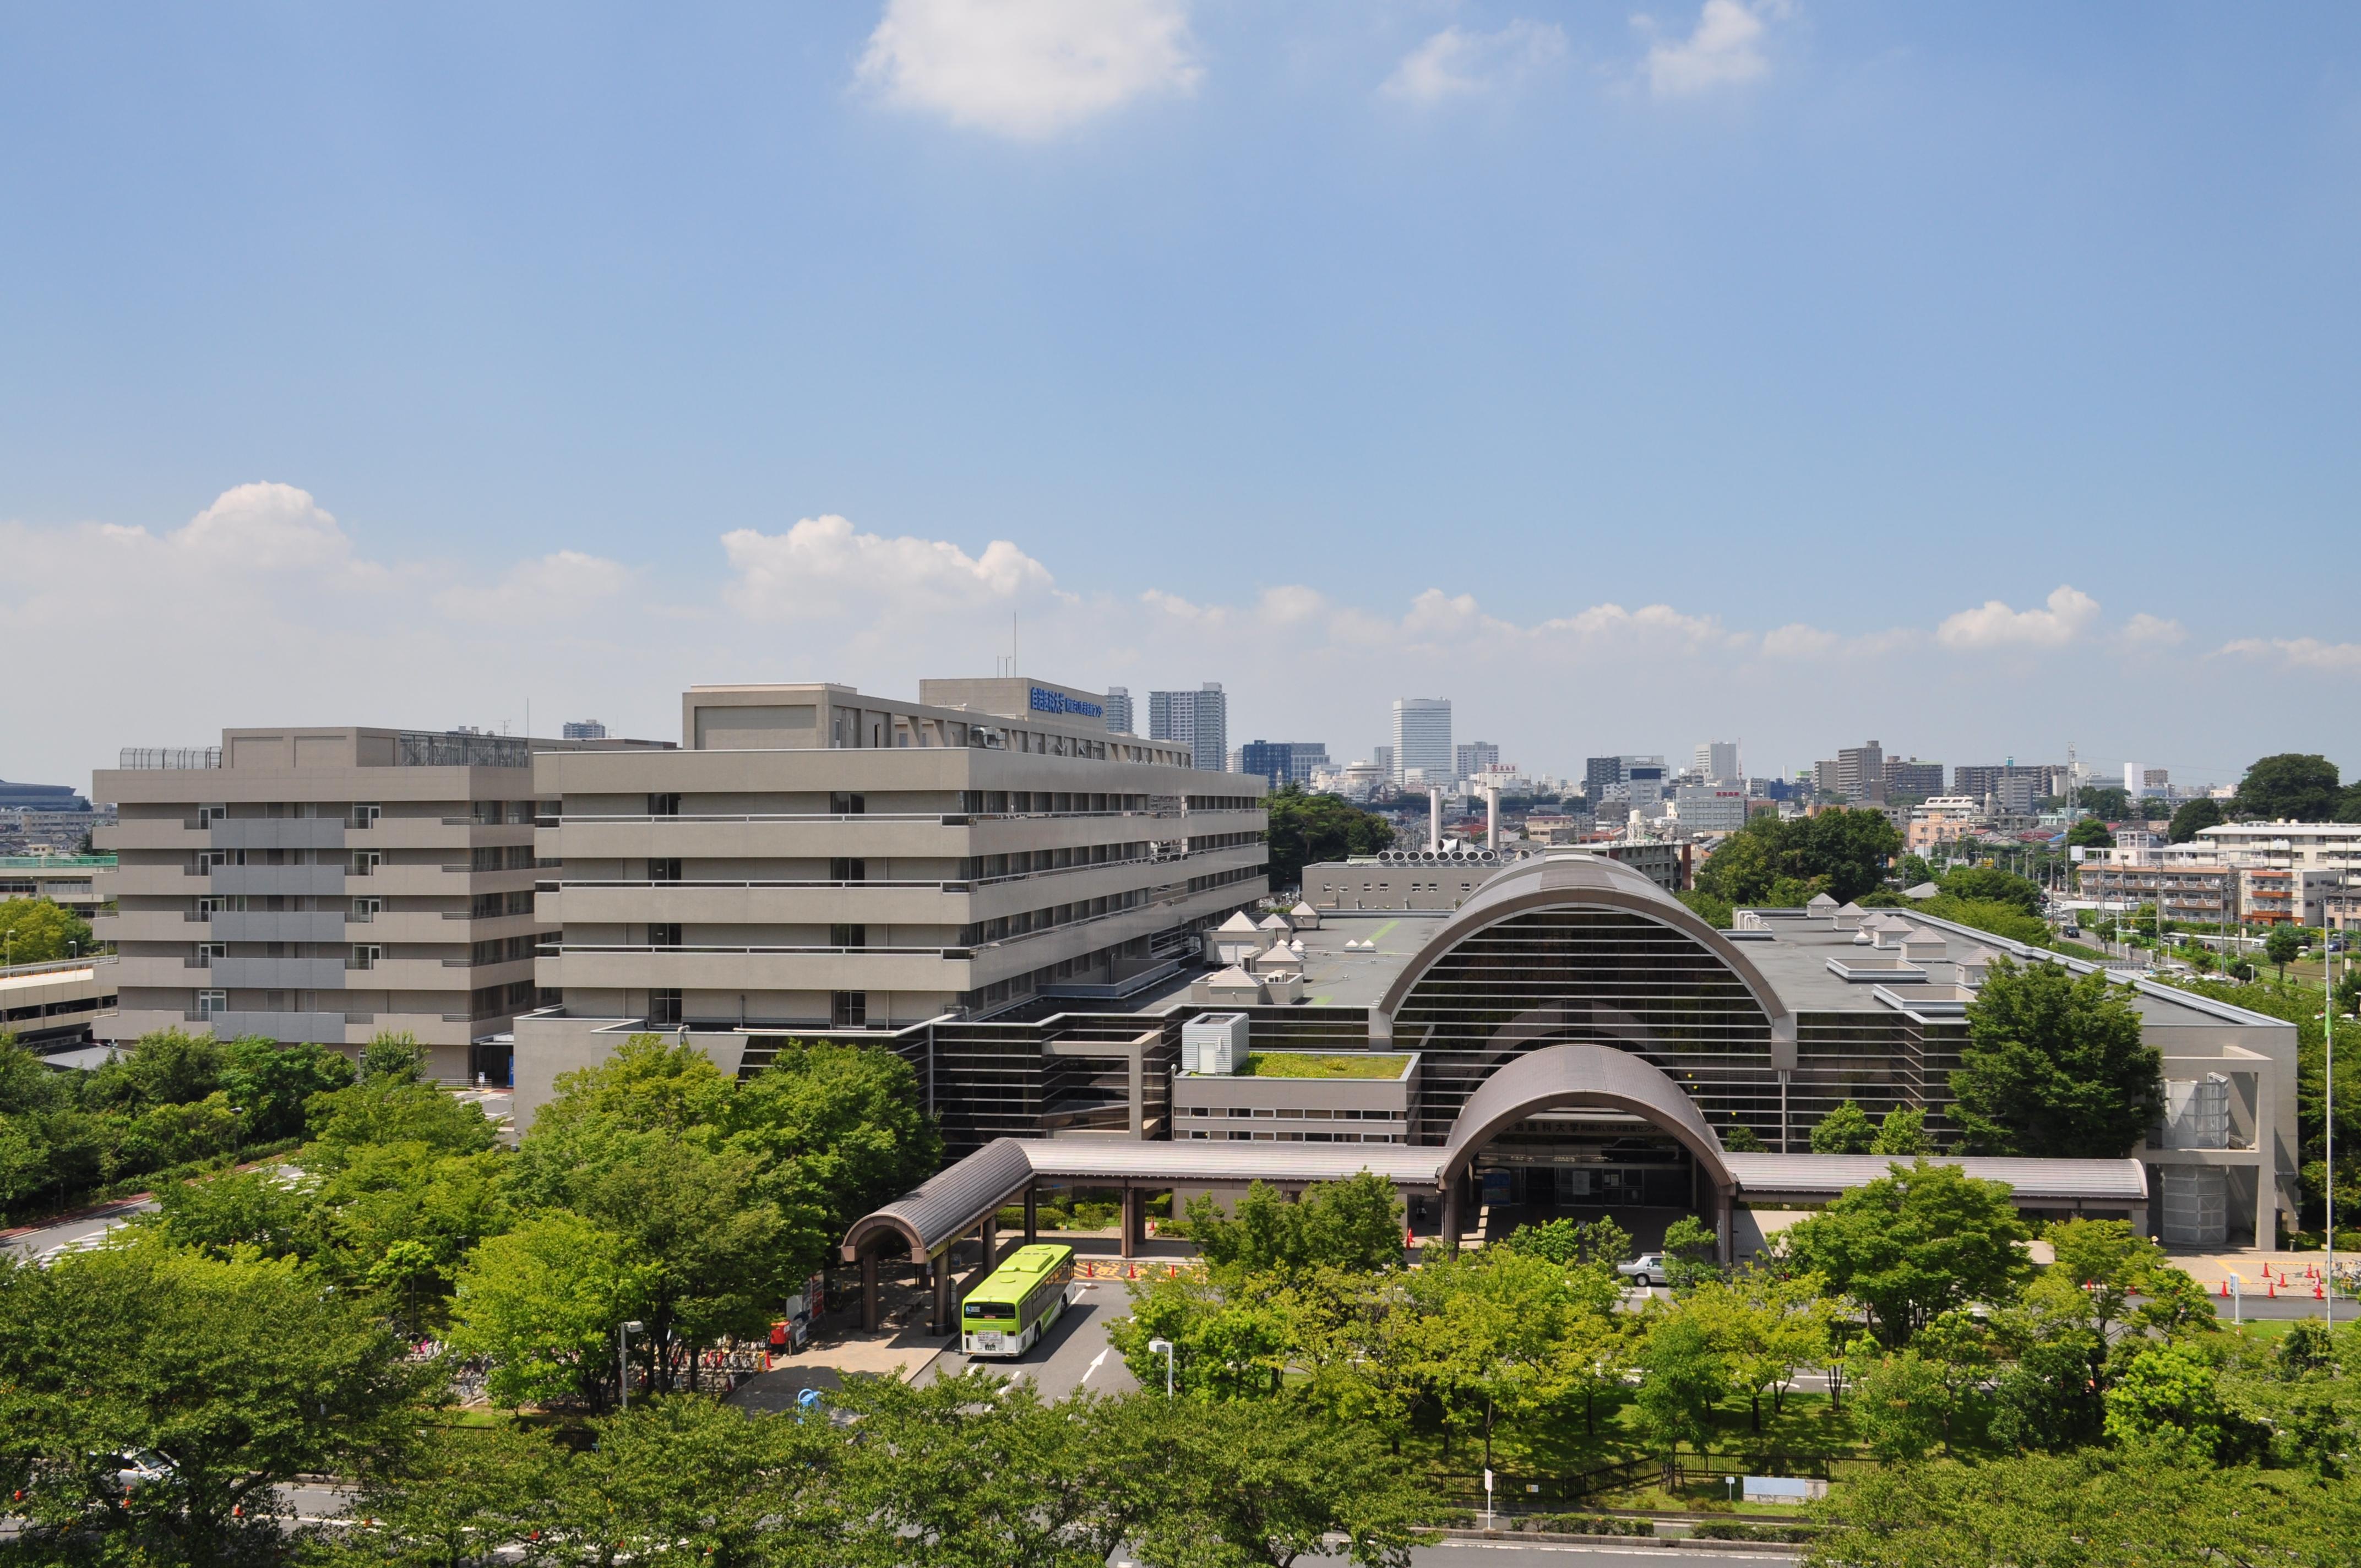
[{"x": 1306, "y": 1064}]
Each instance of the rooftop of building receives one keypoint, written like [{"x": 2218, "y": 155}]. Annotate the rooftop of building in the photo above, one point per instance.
[{"x": 1320, "y": 1064}]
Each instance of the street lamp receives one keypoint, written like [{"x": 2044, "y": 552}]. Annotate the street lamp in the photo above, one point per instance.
[
  {"x": 1163, "y": 1347},
  {"x": 623, "y": 1332}
]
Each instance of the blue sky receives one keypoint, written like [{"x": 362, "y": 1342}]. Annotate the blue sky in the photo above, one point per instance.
[{"x": 1978, "y": 380}]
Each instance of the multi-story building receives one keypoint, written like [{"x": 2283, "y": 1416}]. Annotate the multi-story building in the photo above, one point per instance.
[
  {"x": 1475, "y": 758},
  {"x": 1941, "y": 820},
  {"x": 1199, "y": 721},
  {"x": 1710, "y": 809},
  {"x": 2316, "y": 846},
  {"x": 2207, "y": 894},
  {"x": 1282, "y": 762},
  {"x": 2142, "y": 781},
  {"x": 1118, "y": 710},
  {"x": 1861, "y": 774},
  {"x": 2007, "y": 783},
  {"x": 1599, "y": 774},
  {"x": 584, "y": 730},
  {"x": 327, "y": 884},
  {"x": 1912, "y": 779},
  {"x": 815, "y": 858},
  {"x": 2289, "y": 895},
  {"x": 1422, "y": 740},
  {"x": 1717, "y": 762}
]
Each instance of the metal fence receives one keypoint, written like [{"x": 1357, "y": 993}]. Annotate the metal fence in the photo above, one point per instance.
[{"x": 153, "y": 758}]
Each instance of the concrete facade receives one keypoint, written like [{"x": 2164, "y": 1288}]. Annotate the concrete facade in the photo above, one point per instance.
[
  {"x": 816, "y": 858},
  {"x": 325, "y": 886}
]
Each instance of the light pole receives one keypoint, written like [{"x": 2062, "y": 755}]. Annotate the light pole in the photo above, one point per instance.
[
  {"x": 623, "y": 1332},
  {"x": 1163, "y": 1347}
]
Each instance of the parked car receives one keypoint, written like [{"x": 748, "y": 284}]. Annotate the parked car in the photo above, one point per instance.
[{"x": 1648, "y": 1268}]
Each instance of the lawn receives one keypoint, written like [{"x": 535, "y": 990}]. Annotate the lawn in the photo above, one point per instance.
[{"x": 1303, "y": 1064}]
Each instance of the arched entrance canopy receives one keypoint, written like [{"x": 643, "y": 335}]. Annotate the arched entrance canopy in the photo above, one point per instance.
[{"x": 1597, "y": 1076}]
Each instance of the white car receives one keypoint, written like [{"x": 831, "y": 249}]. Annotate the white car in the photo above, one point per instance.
[{"x": 1648, "y": 1268}]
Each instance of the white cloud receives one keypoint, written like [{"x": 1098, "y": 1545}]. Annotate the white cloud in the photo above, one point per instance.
[
  {"x": 2299, "y": 652},
  {"x": 552, "y": 588},
  {"x": 2150, "y": 631},
  {"x": 1456, "y": 62},
  {"x": 1027, "y": 69},
  {"x": 1724, "y": 49},
  {"x": 823, "y": 567},
  {"x": 1993, "y": 624},
  {"x": 1798, "y": 640},
  {"x": 269, "y": 595}
]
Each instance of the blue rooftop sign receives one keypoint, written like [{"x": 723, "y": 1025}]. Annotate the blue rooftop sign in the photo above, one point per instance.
[{"x": 1047, "y": 701}]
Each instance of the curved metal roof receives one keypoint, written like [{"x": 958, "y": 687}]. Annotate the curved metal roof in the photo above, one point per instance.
[
  {"x": 1582, "y": 1075},
  {"x": 1809, "y": 1175},
  {"x": 1550, "y": 881}
]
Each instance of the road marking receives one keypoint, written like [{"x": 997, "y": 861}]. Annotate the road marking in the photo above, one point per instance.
[{"x": 1094, "y": 1364}]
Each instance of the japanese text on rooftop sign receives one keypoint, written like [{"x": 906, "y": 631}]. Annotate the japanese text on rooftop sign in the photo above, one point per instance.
[{"x": 1047, "y": 701}]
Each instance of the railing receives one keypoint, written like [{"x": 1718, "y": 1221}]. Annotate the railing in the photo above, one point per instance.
[
  {"x": 142, "y": 759},
  {"x": 946, "y": 819},
  {"x": 562, "y": 949},
  {"x": 55, "y": 966},
  {"x": 962, "y": 884}
]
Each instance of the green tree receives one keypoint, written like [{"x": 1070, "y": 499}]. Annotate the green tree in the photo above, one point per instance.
[
  {"x": 166, "y": 1068},
  {"x": 47, "y": 1144},
  {"x": 1306, "y": 829},
  {"x": 2107, "y": 1261},
  {"x": 684, "y": 1482},
  {"x": 2300, "y": 787},
  {"x": 1914, "y": 1244},
  {"x": 1264, "y": 1485},
  {"x": 1740, "y": 1138},
  {"x": 1987, "y": 884},
  {"x": 1682, "y": 1373},
  {"x": 2168, "y": 1395},
  {"x": 245, "y": 1372},
  {"x": 1902, "y": 1407},
  {"x": 2192, "y": 817},
  {"x": 2089, "y": 833},
  {"x": 2281, "y": 946},
  {"x": 1902, "y": 1132},
  {"x": 541, "y": 1304},
  {"x": 1843, "y": 852},
  {"x": 2055, "y": 1066},
  {"x": 456, "y": 1497},
  {"x": 1912, "y": 869},
  {"x": 40, "y": 931},
  {"x": 1595, "y": 1243},
  {"x": 1845, "y": 1130},
  {"x": 271, "y": 1084},
  {"x": 838, "y": 1129},
  {"x": 2111, "y": 803},
  {"x": 1689, "y": 1248},
  {"x": 393, "y": 1057},
  {"x": 1356, "y": 1223},
  {"x": 378, "y": 1112}
]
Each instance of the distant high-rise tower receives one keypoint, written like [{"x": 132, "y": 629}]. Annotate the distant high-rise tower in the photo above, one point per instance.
[
  {"x": 1199, "y": 719},
  {"x": 585, "y": 729},
  {"x": 1422, "y": 739},
  {"x": 1118, "y": 710},
  {"x": 1473, "y": 757},
  {"x": 1717, "y": 762}
]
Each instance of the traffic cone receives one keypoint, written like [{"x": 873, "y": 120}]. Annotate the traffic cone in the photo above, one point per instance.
[
  {"x": 2225, "y": 1290},
  {"x": 2274, "y": 1289}
]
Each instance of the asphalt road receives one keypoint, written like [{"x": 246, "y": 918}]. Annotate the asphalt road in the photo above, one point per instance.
[
  {"x": 43, "y": 1245},
  {"x": 1075, "y": 1355}
]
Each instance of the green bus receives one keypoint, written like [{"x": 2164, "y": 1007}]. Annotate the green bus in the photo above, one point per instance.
[{"x": 1009, "y": 1312}]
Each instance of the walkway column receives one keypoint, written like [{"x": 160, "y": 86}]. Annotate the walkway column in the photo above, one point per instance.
[
  {"x": 990, "y": 1233},
  {"x": 872, "y": 1315},
  {"x": 1032, "y": 1216},
  {"x": 943, "y": 1324},
  {"x": 1131, "y": 1221},
  {"x": 1451, "y": 1214}
]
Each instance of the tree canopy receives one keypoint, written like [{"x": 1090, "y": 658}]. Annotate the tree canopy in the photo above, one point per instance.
[
  {"x": 1353, "y": 1224},
  {"x": 2192, "y": 817},
  {"x": 1777, "y": 861},
  {"x": 39, "y": 930},
  {"x": 1916, "y": 1244},
  {"x": 2300, "y": 786},
  {"x": 1306, "y": 829},
  {"x": 2055, "y": 1066},
  {"x": 1989, "y": 884}
]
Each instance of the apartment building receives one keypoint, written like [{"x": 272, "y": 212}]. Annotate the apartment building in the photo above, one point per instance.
[
  {"x": 1197, "y": 720},
  {"x": 816, "y": 857},
  {"x": 1910, "y": 779},
  {"x": 2312, "y": 845},
  {"x": 325, "y": 885},
  {"x": 2188, "y": 890},
  {"x": 1941, "y": 820}
]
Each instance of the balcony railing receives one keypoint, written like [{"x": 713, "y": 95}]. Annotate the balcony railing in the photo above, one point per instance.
[{"x": 141, "y": 758}]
